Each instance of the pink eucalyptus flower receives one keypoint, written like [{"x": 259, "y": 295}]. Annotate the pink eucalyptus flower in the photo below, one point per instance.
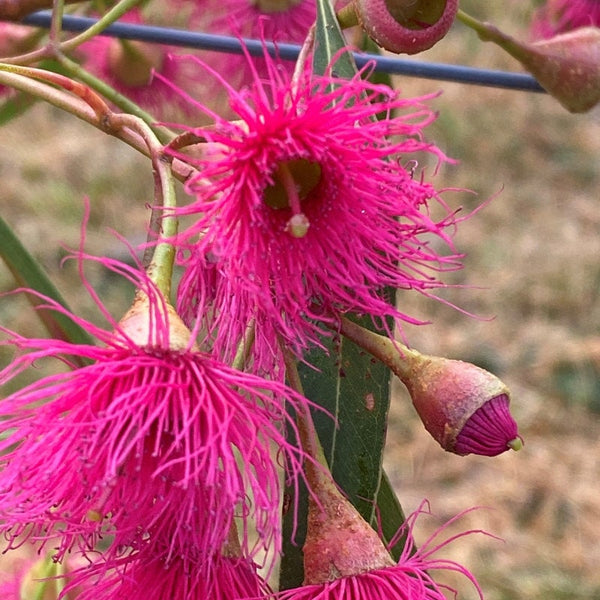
[
  {"x": 152, "y": 576},
  {"x": 560, "y": 16},
  {"x": 303, "y": 207},
  {"x": 273, "y": 20},
  {"x": 150, "y": 432}
]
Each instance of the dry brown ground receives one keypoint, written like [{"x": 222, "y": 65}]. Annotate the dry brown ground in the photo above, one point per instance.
[{"x": 531, "y": 259}]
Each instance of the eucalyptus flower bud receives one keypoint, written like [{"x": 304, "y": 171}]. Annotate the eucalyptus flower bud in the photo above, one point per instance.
[
  {"x": 406, "y": 26},
  {"x": 133, "y": 63},
  {"x": 567, "y": 65},
  {"x": 463, "y": 407}
]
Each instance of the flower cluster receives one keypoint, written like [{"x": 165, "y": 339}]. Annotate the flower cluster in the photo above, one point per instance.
[{"x": 157, "y": 453}]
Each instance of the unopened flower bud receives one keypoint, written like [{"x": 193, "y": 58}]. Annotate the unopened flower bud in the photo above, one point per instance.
[
  {"x": 132, "y": 63},
  {"x": 463, "y": 407},
  {"x": 567, "y": 66},
  {"x": 406, "y": 26}
]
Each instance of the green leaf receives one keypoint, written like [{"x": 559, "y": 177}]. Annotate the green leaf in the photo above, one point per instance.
[
  {"x": 354, "y": 388},
  {"x": 329, "y": 40},
  {"x": 391, "y": 515},
  {"x": 28, "y": 273}
]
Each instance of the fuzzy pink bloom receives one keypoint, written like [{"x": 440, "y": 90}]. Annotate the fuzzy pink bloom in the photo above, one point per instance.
[
  {"x": 303, "y": 207},
  {"x": 150, "y": 432},
  {"x": 410, "y": 579},
  {"x": 130, "y": 68},
  {"x": 560, "y": 16},
  {"x": 273, "y": 20},
  {"x": 151, "y": 577},
  {"x": 279, "y": 20}
]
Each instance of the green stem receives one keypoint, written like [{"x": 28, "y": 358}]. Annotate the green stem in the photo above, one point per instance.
[
  {"x": 306, "y": 428},
  {"x": 160, "y": 269},
  {"x": 50, "y": 577},
  {"x": 109, "y": 18},
  {"x": 51, "y": 50},
  {"x": 111, "y": 94},
  {"x": 58, "y": 7},
  {"x": 473, "y": 23},
  {"x": 490, "y": 33},
  {"x": 307, "y": 47},
  {"x": 395, "y": 355},
  {"x": 65, "y": 102},
  {"x": 245, "y": 347}
]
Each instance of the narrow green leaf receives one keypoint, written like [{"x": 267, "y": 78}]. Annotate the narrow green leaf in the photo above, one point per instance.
[
  {"x": 391, "y": 516},
  {"x": 352, "y": 386},
  {"x": 28, "y": 273},
  {"x": 329, "y": 40}
]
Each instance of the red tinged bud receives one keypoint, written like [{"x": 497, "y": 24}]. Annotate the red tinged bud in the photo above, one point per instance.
[
  {"x": 567, "y": 66},
  {"x": 463, "y": 407},
  {"x": 339, "y": 543}
]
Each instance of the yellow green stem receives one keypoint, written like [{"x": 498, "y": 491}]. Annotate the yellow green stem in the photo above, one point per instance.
[
  {"x": 347, "y": 16},
  {"x": 490, "y": 33},
  {"x": 398, "y": 357},
  {"x": 165, "y": 225},
  {"x": 245, "y": 347}
]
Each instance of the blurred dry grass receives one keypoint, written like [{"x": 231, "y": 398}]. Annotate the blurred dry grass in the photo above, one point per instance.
[{"x": 531, "y": 262}]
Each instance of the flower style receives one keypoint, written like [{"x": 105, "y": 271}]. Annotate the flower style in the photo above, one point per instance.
[
  {"x": 303, "y": 207},
  {"x": 150, "y": 432},
  {"x": 560, "y": 16}
]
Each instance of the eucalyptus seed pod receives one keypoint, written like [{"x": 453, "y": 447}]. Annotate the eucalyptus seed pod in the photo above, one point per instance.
[{"x": 406, "y": 26}]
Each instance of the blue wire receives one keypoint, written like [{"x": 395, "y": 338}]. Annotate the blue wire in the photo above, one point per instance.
[{"x": 221, "y": 43}]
